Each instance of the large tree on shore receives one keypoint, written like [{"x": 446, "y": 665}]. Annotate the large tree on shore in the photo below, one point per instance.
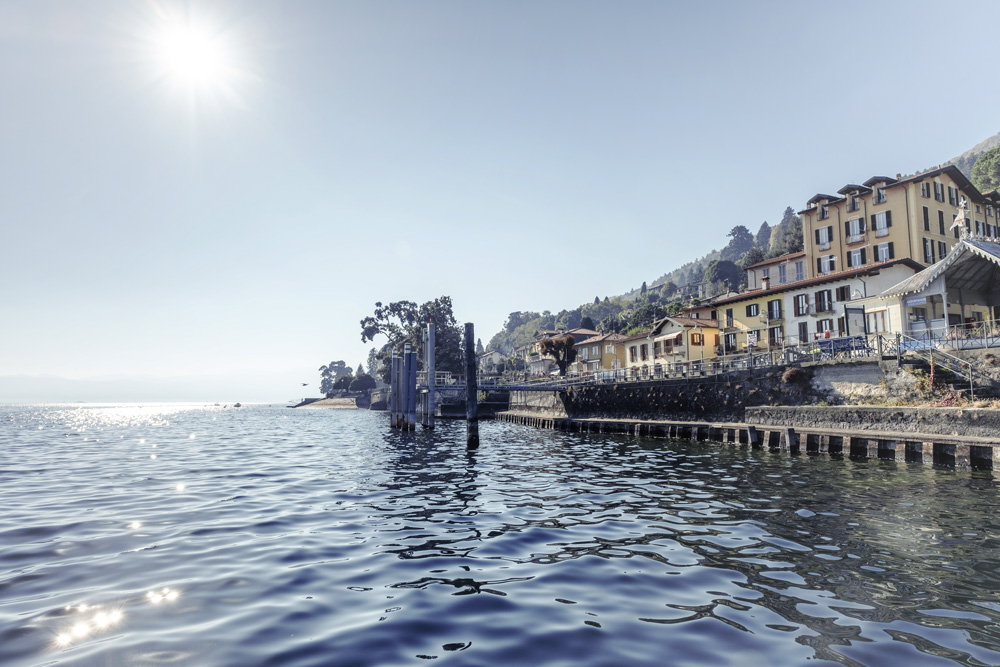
[
  {"x": 561, "y": 349},
  {"x": 330, "y": 373},
  {"x": 404, "y": 321}
]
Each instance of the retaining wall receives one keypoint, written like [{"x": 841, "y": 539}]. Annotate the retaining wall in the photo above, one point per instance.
[{"x": 971, "y": 422}]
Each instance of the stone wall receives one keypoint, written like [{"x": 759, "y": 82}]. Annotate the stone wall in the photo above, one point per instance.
[
  {"x": 975, "y": 422},
  {"x": 723, "y": 397}
]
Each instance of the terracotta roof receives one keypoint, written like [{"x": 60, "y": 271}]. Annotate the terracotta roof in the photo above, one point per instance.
[
  {"x": 874, "y": 180},
  {"x": 853, "y": 187},
  {"x": 830, "y": 277},
  {"x": 820, "y": 197},
  {"x": 780, "y": 259}
]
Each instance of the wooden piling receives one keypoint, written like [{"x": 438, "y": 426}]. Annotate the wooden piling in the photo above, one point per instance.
[{"x": 471, "y": 389}]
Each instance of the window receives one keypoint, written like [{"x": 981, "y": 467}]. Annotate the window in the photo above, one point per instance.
[
  {"x": 753, "y": 310},
  {"x": 822, "y": 326},
  {"x": 826, "y": 264},
  {"x": 978, "y": 210},
  {"x": 824, "y": 212},
  {"x": 775, "y": 336},
  {"x": 954, "y": 226},
  {"x": 595, "y": 350},
  {"x": 823, "y": 237},
  {"x": 941, "y": 222},
  {"x": 879, "y": 195},
  {"x": 855, "y": 230},
  {"x": 657, "y": 348},
  {"x": 803, "y": 332},
  {"x": 697, "y": 339},
  {"x": 881, "y": 222},
  {"x": 774, "y": 309},
  {"x": 609, "y": 349},
  {"x": 801, "y": 304},
  {"x": 980, "y": 228},
  {"x": 857, "y": 257},
  {"x": 730, "y": 342},
  {"x": 925, "y": 190},
  {"x": 939, "y": 192},
  {"x": 583, "y": 354},
  {"x": 927, "y": 219},
  {"x": 824, "y": 301},
  {"x": 928, "y": 251},
  {"x": 729, "y": 318},
  {"x": 878, "y": 321},
  {"x": 765, "y": 272},
  {"x": 885, "y": 252},
  {"x": 854, "y": 203},
  {"x": 952, "y": 196},
  {"x": 841, "y": 326},
  {"x": 989, "y": 210},
  {"x": 942, "y": 249},
  {"x": 644, "y": 351},
  {"x": 782, "y": 278},
  {"x": 800, "y": 270},
  {"x": 631, "y": 354},
  {"x": 844, "y": 293}
]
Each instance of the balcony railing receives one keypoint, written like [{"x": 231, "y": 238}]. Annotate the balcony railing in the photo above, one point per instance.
[
  {"x": 856, "y": 238},
  {"x": 884, "y": 231}
]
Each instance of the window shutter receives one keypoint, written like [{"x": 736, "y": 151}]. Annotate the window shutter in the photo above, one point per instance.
[
  {"x": 847, "y": 228},
  {"x": 888, "y": 218},
  {"x": 873, "y": 221},
  {"x": 861, "y": 225},
  {"x": 829, "y": 233},
  {"x": 850, "y": 262},
  {"x": 892, "y": 255},
  {"x": 864, "y": 260},
  {"x": 819, "y": 265},
  {"x": 817, "y": 236}
]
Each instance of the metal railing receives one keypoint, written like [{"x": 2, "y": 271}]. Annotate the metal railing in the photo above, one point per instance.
[{"x": 929, "y": 348}]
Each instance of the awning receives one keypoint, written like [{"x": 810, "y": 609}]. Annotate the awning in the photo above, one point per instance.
[{"x": 671, "y": 338}]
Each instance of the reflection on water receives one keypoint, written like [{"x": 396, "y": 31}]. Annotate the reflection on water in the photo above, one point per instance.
[{"x": 323, "y": 537}]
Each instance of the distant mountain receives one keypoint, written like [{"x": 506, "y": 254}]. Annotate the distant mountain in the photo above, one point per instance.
[{"x": 966, "y": 160}]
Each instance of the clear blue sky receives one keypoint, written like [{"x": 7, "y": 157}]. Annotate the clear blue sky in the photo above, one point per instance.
[{"x": 227, "y": 188}]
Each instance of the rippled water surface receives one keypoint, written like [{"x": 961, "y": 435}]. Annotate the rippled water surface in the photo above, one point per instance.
[{"x": 193, "y": 535}]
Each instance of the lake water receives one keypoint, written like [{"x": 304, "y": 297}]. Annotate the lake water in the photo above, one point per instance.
[{"x": 200, "y": 535}]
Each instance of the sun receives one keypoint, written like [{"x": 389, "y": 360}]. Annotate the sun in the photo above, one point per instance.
[{"x": 193, "y": 55}]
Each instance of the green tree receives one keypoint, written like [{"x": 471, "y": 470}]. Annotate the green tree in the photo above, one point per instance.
[
  {"x": 561, "y": 349},
  {"x": 754, "y": 255},
  {"x": 403, "y": 322},
  {"x": 343, "y": 383},
  {"x": 986, "y": 171},
  {"x": 740, "y": 241},
  {"x": 372, "y": 362},
  {"x": 724, "y": 271},
  {"x": 479, "y": 346},
  {"x": 642, "y": 290},
  {"x": 328, "y": 375},
  {"x": 362, "y": 383},
  {"x": 587, "y": 323},
  {"x": 763, "y": 238}
]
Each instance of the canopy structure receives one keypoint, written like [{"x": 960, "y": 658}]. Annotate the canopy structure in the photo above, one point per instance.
[{"x": 969, "y": 275}]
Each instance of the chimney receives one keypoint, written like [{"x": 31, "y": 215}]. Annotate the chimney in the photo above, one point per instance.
[{"x": 765, "y": 283}]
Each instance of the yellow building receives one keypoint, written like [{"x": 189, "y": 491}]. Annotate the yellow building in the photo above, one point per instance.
[
  {"x": 603, "y": 352},
  {"x": 754, "y": 319},
  {"x": 887, "y": 218}
]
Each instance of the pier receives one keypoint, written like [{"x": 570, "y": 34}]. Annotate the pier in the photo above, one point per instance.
[{"x": 958, "y": 451}]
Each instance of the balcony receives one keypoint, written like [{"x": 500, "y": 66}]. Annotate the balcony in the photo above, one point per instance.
[
  {"x": 884, "y": 231},
  {"x": 856, "y": 238},
  {"x": 823, "y": 245}
]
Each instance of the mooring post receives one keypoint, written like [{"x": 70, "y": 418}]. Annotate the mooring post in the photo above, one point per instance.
[
  {"x": 471, "y": 389},
  {"x": 393, "y": 390},
  {"x": 431, "y": 374},
  {"x": 397, "y": 419},
  {"x": 411, "y": 393},
  {"x": 404, "y": 387}
]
